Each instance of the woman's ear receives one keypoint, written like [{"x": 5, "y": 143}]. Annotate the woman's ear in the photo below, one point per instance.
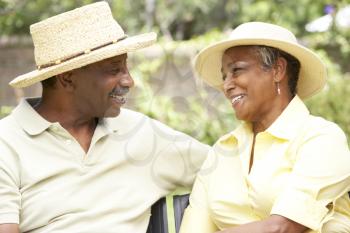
[
  {"x": 280, "y": 69},
  {"x": 65, "y": 80}
]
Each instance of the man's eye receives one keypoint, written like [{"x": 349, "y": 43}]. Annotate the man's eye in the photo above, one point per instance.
[{"x": 115, "y": 71}]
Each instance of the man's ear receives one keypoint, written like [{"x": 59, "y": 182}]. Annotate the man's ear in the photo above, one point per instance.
[
  {"x": 280, "y": 69},
  {"x": 65, "y": 80}
]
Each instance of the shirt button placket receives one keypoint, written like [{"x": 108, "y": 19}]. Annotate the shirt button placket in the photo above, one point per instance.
[{"x": 250, "y": 199}]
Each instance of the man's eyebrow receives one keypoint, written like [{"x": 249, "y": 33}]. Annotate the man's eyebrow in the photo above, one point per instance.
[
  {"x": 113, "y": 63},
  {"x": 118, "y": 60}
]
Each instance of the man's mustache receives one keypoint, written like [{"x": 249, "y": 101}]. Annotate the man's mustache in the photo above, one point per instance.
[{"x": 119, "y": 91}]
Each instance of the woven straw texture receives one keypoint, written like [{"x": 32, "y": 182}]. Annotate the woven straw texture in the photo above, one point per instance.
[
  {"x": 77, "y": 38},
  {"x": 312, "y": 77}
]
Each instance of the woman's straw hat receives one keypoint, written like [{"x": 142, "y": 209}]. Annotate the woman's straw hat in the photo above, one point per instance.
[
  {"x": 77, "y": 38},
  {"x": 312, "y": 77}
]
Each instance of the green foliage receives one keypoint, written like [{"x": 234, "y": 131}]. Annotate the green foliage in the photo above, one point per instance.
[
  {"x": 197, "y": 23},
  {"x": 201, "y": 115},
  {"x": 332, "y": 102},
  {"x": 17, "y": 15},
  {"x": 5, "y": 110},
  {"x": 207, "y": 116}
]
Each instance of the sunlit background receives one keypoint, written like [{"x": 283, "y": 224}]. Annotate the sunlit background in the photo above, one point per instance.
[{"x": 166, "y": 88}]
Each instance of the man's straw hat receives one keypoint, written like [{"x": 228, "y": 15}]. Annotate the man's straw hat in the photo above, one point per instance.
[
  {"x": 312, "y": 77},
  {"x": 77, "y": 38}
]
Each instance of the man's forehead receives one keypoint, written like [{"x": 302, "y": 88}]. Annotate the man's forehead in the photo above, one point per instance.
[{"x": 112, "y": 60}]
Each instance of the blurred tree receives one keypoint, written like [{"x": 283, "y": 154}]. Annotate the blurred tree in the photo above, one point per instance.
[
  {"x": 175, "y": 19},
  {"x": 17, "y": 15},
  {"x": 202, "y": 22}
]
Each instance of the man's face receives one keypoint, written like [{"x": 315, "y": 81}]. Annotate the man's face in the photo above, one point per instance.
[{"x": 101, "y": 87}]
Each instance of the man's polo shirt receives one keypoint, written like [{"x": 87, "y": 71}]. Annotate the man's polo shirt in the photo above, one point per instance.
[{"x": 49, "y": 184}]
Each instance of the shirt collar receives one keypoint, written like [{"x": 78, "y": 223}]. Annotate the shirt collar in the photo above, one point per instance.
[
  {"x": 34, "y": 124},
  {"x": 286, "y": 126},
  {"x": 239, "y": 135},
  {"x": 28, "y": 118}
]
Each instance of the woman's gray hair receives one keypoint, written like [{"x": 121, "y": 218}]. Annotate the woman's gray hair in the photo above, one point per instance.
[{"x": 268, "y": 57}]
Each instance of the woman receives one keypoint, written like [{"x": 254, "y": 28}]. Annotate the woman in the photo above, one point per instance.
[{"x": 282, "y": 169}]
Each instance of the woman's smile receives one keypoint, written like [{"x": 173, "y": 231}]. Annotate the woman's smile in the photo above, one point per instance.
[{"x": 237, "y": 100}]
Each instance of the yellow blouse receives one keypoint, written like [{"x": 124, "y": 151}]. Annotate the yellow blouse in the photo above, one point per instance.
[{"x": 301, "y": 171}]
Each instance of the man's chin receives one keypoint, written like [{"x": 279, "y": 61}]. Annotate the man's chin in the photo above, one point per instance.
[{"x": 112, "y": 113}]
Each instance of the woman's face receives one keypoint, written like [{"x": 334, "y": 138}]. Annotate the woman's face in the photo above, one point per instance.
[{"x": 250, "y": 88}]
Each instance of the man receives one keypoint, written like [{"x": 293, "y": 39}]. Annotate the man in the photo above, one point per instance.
[{"x": 73, "y": 160}]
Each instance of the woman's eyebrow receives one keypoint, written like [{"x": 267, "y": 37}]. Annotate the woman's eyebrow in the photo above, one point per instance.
[{"x": 227, "y": 65}]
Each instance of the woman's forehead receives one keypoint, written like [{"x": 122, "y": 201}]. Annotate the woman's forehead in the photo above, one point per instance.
[
  {"x": 240, "y": 49},
  {"x": 239, "y": 53}
]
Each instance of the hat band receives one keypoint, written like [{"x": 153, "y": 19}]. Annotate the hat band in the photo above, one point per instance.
[{"x": 59, "y": 61}]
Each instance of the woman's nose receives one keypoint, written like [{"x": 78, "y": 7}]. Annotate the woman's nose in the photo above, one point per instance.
[{"x": 229, "y": 85}]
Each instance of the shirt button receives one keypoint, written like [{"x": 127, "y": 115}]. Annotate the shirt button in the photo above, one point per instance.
[
  {"x": 55, "y": 128},
  {"x": 68, "y": 142}
]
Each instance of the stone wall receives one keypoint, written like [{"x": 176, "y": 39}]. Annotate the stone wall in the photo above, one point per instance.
[
  {"x": 14, "y": 61},
  {"x": 174, "y": 78}
]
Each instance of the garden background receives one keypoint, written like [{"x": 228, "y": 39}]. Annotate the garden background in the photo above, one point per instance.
[{"x": 166, "y": 87}]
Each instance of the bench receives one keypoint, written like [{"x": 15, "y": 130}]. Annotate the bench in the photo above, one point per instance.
[{"x": 166, "y": 214}]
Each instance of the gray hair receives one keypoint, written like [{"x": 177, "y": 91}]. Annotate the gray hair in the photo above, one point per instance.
[{"x": 268, "y": 57}]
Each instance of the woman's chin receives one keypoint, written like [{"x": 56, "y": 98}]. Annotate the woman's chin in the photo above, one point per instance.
[
  {"x": 240, "y": 115},
  {"x": 238, "y": 112}
]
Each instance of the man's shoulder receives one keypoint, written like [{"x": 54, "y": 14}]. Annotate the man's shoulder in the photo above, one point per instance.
[
  {"x": 125, "y": 112},
  {"x": 8, "y": 127},
  {"x": 129, "y": 121},
  {"x": 7, "y": 123},
  {"x": 130, "y": 117},
  {"x": 127, "y": 116}
]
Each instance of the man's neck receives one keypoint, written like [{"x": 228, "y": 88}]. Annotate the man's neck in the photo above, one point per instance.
[{"x": 80, "y": 126}]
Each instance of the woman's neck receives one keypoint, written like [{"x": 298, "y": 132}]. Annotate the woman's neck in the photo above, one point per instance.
[{"x": 268, "y": 119}]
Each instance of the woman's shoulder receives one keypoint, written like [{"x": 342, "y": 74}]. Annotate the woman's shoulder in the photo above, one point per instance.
[
  {"x": 323, "y": 138},
  {"x": 316, "y": 125}
]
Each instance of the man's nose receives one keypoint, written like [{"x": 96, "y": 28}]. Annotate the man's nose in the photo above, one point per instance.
[{"x": 127, "y": 80}]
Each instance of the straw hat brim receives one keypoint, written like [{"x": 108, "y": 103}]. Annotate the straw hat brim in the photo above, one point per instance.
[
  {"x": 312, "y": 76},
  {"x": 127, "y": 45}
]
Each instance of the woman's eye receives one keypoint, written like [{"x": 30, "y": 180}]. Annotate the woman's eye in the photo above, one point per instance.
[
  {"x": 224, "y": 77},
  {"x": 231, "y": 71},
  {"x": 236, "y": 69}
]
